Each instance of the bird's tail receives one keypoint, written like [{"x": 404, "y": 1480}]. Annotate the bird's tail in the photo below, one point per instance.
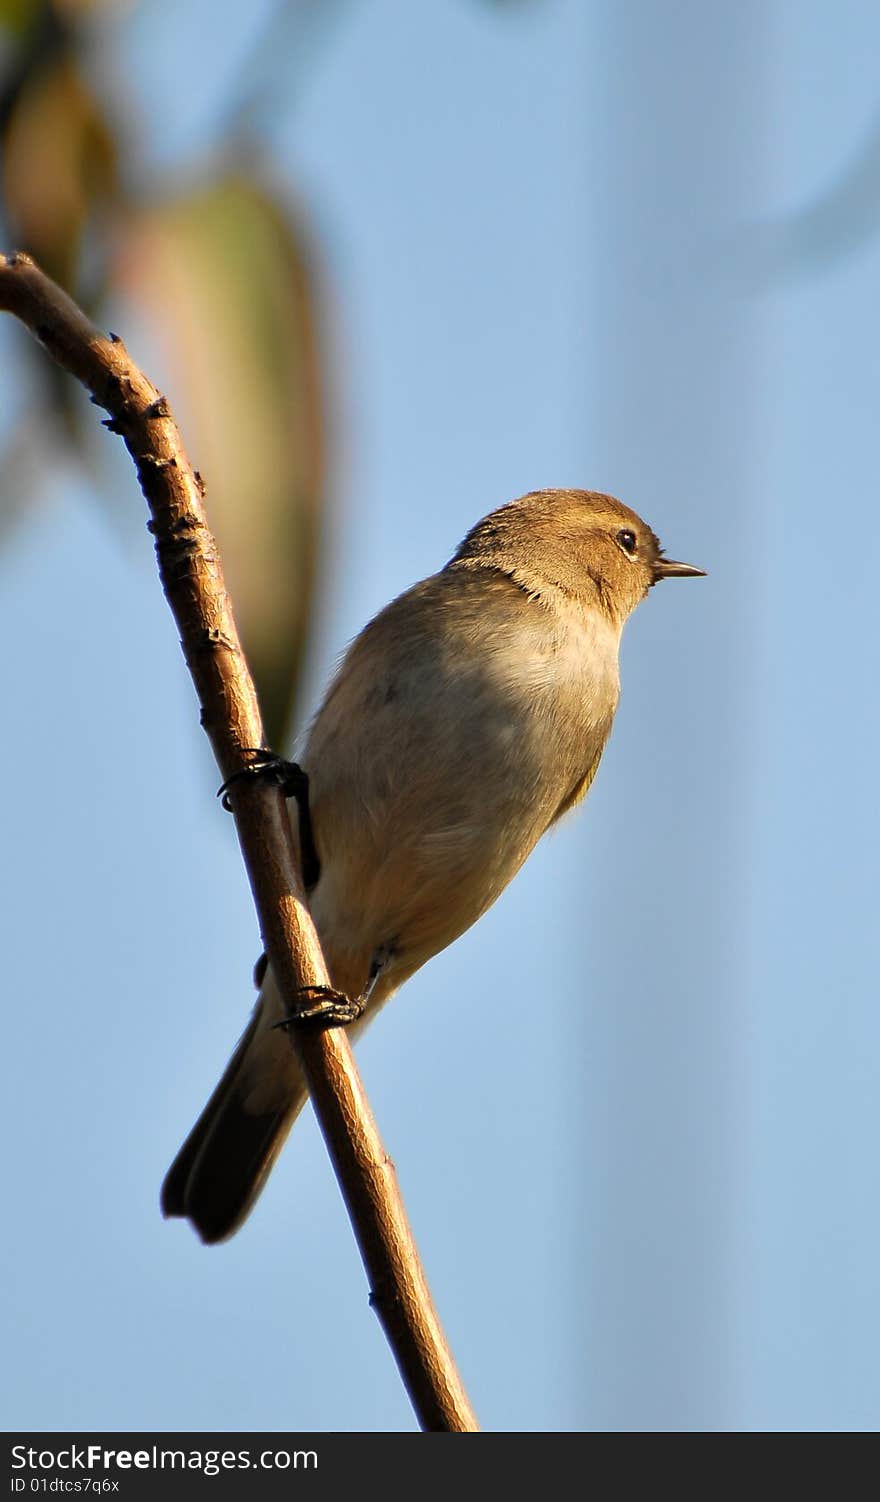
[{"x": 217, "y": 1176}]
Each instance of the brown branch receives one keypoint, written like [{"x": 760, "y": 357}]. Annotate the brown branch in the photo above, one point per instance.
[{"x": 192, "y": 578}]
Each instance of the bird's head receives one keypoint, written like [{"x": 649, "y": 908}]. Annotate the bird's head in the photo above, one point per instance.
[{"x": 584, "y": 544}]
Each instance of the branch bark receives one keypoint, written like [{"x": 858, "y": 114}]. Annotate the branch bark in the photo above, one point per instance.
[{"x": 192, "y": 578}]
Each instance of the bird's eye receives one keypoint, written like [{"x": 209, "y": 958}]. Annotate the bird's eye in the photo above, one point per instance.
[{"x": 627, "y": 541}]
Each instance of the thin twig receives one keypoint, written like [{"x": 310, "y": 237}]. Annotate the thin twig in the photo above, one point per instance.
[{"x": 192, "y": 578}]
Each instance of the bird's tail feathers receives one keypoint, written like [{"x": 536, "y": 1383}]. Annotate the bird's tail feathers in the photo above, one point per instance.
[{"x": 222, "y": 1166}]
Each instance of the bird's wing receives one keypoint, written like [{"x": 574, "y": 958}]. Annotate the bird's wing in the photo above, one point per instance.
[{"x": 584, "y": 783}]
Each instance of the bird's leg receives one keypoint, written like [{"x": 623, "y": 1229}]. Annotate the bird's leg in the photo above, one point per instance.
[
  {"x": 334, "y": 1009},
  {"x": 294, "y": 783},
  {"x": 331, "y": 1009}
]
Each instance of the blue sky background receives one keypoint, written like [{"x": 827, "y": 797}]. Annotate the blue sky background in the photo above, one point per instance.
[{"x": 635, "y": 1110}]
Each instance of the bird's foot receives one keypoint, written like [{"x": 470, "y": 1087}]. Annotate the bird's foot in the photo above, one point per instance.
[
  {"x": 269, "y": 767},
  {"x": 294, "y": 783},
  {"x": 331, "y": 1009}
]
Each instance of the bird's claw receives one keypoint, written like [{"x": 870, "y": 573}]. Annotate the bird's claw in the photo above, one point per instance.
[
  {"x": 332, "y": 1009},
  {"x": 268, "y": 766},
  {"x": 294, "y": 783}
]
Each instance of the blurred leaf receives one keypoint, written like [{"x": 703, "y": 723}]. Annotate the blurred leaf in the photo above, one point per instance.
[
  {"x": 225, "y": 283},
  {"x": 839, "y": 222},
  {"x": 59, "y": 164},
  {"x": 17, "y": 15},
  {"x": 60, "y": 178}
]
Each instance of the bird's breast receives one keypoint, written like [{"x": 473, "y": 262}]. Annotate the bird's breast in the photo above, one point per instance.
[{"x": 454, "y": 733}]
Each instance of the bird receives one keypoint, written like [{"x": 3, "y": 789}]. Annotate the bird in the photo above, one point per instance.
[{"x": 462, "y": 723}]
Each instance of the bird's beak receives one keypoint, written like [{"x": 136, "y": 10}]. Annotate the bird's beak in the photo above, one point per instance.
[{"x": 667, "y": 568}]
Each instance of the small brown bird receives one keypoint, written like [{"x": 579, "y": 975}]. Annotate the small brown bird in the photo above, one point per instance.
[{"x": 464, "y": 720}]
